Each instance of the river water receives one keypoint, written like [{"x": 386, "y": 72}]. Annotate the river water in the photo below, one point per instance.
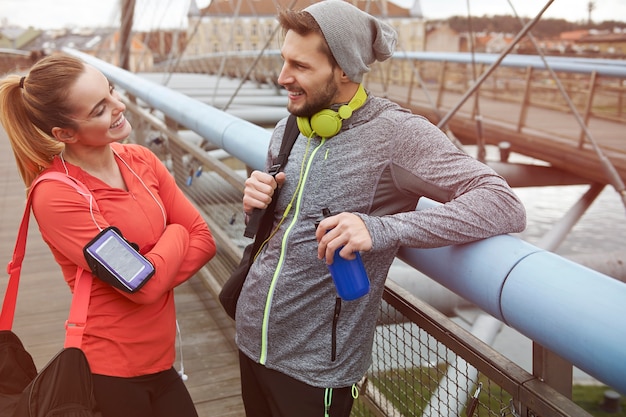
[{"x": 601, "y": 229}]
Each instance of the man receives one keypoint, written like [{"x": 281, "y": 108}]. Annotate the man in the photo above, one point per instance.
[{"x": 368, "y": 161}]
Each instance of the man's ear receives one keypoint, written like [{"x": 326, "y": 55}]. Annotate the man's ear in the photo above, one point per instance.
[
  {"x": 344, "y": 78},
  {"x": 64, "y": 135}
]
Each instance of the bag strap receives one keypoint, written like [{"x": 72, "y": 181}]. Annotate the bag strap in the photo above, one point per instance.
[
  {"x": 13, "y": 269},
  {"x": 289, "y": 138},
  {"x": 258, "y": 216},
  {"x": 75, "y": 325}
]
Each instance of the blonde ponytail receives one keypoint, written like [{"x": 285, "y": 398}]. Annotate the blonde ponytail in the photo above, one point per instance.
[{"x": 31, "y": 106}]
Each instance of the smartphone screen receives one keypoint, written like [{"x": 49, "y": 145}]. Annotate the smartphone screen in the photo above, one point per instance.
[{"x": 112, "y": 259}]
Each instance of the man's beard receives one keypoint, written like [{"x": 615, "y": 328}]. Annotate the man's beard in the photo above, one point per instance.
[{"x": 319, "y": 99}]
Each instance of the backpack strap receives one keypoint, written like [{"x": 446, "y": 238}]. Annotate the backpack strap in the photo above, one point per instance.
[
  {"x": 289, "y": 138},
  {"x": 75, "y": 325}
]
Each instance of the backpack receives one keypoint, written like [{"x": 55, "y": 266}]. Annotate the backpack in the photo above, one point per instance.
[{"x": 64, "y": 387}]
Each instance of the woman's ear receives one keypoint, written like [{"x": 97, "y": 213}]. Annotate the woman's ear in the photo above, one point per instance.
[{"x": 64, "y": 135}]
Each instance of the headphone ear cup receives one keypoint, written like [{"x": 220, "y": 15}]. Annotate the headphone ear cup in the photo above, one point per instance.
[
  {"x": 304, "y": 126},
  {"x": 326, "y": 123}
]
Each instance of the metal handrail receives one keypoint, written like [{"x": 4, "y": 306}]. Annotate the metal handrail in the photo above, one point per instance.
[{"x": 604, "y": 67}]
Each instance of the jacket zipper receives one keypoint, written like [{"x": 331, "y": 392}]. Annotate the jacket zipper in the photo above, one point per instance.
[{"x": 281, "y": 258}]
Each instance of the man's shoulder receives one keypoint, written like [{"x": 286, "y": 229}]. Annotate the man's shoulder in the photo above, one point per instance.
[{"x": 381, "y": 107}]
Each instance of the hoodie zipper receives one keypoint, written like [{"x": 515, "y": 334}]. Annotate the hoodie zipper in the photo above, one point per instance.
[{"x": 281, "y": 258}]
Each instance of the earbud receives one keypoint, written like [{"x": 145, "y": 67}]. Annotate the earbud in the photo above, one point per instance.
[{"x": 183, "y": 375}]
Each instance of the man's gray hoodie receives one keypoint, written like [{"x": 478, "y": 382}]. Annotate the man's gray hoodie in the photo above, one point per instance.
[{"x": 383, "y": 160}]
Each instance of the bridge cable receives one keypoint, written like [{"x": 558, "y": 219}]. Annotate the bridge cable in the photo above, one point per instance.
[
  {"x": 173, "y": 65},
  {"x": 423, "y": 86},
  {"x": 256, "y": 60},
  {"x": 225, "y": 57},
  {"x": 609, "y": 169},
  {"x": 492, "y": 68},
  {"x": 480, "y": 140}
]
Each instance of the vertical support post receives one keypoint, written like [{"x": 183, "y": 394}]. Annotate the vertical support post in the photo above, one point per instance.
[
  {"x": 620, "y": 102},
  {"x": 410, "y": 93},
  {"x": 476, "y": 103},
  {"x": 389, "y": 64},
  {"x": 588, "y": 106},
  {"x": 178, "y": 165},
  {"x": 553, "y": 370},
  {"x": 442, "y": 83},
  {"x": 521, "y": 122}
]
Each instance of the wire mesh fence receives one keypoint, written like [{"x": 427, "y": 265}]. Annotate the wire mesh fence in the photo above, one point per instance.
[{"x": 425, "y": 364}]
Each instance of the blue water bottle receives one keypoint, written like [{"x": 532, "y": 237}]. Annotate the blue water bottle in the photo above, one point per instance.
[{"x": 349, "y": 276}]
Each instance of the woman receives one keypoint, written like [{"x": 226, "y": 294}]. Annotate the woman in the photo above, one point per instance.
[{"x": 65, "y": 116}]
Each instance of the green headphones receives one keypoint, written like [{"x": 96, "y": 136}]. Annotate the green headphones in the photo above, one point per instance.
[{"x": 327, "y": 123}]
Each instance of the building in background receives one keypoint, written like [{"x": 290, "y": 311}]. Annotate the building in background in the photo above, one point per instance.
[{"x": 233, "y": 26}]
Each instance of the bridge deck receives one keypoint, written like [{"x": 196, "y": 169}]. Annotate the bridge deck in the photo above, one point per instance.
[
  {"x": 549, "y": 135},
  {"x": 210, "y": 357}
]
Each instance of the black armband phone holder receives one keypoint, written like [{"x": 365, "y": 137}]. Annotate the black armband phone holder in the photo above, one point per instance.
[{"x": 115, "y": 261}]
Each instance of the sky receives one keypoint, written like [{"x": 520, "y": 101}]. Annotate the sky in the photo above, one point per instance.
[{"x": 153, "y": 14}]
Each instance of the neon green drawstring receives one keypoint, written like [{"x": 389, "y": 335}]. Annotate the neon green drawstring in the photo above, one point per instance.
[
  {"x": 328, "y": 399},
  {"x": 355, "y": 391}
]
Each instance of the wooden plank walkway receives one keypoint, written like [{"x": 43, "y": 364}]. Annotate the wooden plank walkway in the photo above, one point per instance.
[{"x": 210, "y": 356}]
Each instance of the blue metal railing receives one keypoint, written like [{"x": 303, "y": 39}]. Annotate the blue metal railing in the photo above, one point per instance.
[
  {"x": 572, "y": 310},
  {"x": 604, "y": 67}
]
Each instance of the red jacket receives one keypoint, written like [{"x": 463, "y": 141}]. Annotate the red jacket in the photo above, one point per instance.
[{"x": 127, "y": 334}]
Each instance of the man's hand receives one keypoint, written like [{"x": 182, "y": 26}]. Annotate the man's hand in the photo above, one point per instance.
[
  {"x": 343, "y": 229},
  {"x": 259, "y": 189}
]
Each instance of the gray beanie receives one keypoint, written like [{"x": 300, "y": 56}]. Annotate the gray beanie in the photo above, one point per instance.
[{"x": 356, "y": 39}]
